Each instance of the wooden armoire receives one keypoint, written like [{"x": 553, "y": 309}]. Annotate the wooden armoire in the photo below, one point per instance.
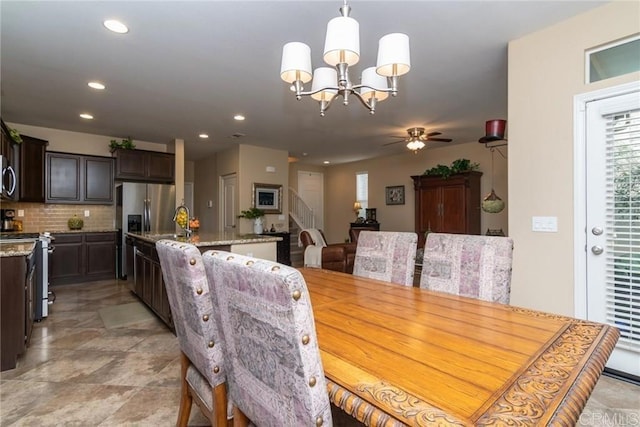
[{"x": 447, "y": 205}]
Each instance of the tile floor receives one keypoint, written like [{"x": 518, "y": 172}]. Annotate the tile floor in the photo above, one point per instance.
[{"x": 77, "y": 372}]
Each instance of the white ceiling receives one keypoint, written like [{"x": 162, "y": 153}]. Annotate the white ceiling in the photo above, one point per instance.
[{"x": 188, "y": 67}]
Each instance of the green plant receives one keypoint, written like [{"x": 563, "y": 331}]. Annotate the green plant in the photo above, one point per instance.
[
  {"x": 458, "y": 166},
  {"x": 126, "y": 143},
  {"x": 15, "y": 135},
  {"x": 252, "y": 213}
]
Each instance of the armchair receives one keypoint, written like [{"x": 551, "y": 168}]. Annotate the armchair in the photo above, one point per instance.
[{"x": 336, "y": 256}]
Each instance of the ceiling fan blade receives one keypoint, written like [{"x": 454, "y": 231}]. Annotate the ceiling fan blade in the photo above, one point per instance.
[
  {"x": 391, "y": 143},
  {"x": 430, "y": 134},
  {"x": 439, "y": 139}
]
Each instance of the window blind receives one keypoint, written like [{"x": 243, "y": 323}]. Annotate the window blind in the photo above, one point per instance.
[
  {"x": 362, "y": 189},
  {"x": 623, "y": 226}
]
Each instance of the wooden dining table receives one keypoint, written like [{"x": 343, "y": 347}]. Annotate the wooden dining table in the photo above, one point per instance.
[{"x": 398, "y": 355}]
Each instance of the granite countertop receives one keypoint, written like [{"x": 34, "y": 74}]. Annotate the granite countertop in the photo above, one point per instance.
[
  {"x": 209, "y": 239},
  {"x": 9, "y": 248}
]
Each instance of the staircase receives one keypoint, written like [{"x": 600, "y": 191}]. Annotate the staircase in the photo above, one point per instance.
[
  {"x": 297, "y": 253},
  {"x": 300, "y": 217}
]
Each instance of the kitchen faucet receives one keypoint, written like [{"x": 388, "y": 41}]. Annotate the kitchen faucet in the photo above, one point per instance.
[{"x": 186, "y": 227}]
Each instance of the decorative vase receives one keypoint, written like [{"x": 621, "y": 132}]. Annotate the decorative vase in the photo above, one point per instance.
[
  {"x": 257, "y": 226},
  {"x": 75, "y": 223}
]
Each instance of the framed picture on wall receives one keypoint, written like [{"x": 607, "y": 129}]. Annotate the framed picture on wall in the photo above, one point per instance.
[
  {"x": 267, "y": 197},
  {"x": 395, "y": 195}
]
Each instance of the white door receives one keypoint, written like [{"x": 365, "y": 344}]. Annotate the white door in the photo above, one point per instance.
[
  {"x": 612, "y": 195},
  {"x": 311, "y": 191},
  {"x": 228, "y": 215}
]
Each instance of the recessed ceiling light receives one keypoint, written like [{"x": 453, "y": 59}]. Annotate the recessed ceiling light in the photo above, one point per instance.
[
  {"x": 116, "y": 26},
  {"x": 326, "y": 162},
  {"x": 86, "y": 116},
  {"x": 203, "y": 135},
  {"x": 238, "y": 117},
  {"x": 96, "y": 85}
]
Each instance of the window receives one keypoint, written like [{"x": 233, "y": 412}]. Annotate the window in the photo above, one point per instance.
[
  {"x": 362, "y": 191},
  {"x": 614, "y": 59}
]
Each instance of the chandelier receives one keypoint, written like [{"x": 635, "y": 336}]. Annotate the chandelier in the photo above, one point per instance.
[{"x": 342, "y": 50}]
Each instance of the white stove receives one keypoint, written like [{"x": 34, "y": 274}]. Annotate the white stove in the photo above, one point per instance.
[{"x": 43, "y": 296}]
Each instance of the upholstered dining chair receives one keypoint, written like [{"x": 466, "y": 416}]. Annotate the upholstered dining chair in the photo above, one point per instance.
[
  {"x": 274, "y": 371},
  {"x": 468, "y": 265},
  {"x": 386, "y": 255},
  {"x": 202, "y": 368}
]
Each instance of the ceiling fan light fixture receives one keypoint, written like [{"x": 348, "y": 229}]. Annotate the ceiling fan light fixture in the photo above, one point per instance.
[
  {"x": 415, "y": 144},
  {"x": 342, "y": 50}
]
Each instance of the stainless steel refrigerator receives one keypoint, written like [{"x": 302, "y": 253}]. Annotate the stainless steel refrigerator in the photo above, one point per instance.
[{"x": 143, "y": 208}]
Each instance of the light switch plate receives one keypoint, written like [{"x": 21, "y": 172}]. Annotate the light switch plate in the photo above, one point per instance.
[
  {"x": 545, "y": 224},
  {"x": 20, "y": 213},
  {"x": 87, "y": 213}
]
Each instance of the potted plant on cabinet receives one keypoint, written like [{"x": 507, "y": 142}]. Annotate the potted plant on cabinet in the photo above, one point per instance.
[
  {"x": 126, "y": 143},
  {"x": 256, "y": 215}
]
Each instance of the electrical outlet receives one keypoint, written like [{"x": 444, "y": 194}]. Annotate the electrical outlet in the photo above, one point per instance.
[
  {"x": 87, "y": 213},
  {"x": 20, "y": 213}
]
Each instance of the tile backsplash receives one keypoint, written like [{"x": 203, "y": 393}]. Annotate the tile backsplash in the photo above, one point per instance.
[{"x": 39, "y": 217}]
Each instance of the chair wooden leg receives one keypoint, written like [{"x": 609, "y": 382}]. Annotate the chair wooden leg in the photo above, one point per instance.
[
  {"x": 239, "y": 418},
  {"x": 185, "y": 396},
  {"x": 219, "y": 393}
]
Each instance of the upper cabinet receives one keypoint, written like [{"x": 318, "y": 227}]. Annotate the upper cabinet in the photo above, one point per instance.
[
  {"x": 32, "y": 179},
  {"x": 447, "y": 205},
  {"x": 73, "y": 178},
  {"x": 144, "y": 166}
]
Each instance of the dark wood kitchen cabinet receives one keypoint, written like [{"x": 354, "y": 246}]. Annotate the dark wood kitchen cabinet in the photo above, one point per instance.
[
  {"x": 144, "y": 166},
  {"x": 17, "y": 281},
  {"x": 66, "y": 263},
  {"x": 447, "y": 205},
  {"x": 32, "y": 167},
  {"x": 82, "y": 257},
  {"x": 79, "y": 179},
  {"x": 149, "y": 283}
]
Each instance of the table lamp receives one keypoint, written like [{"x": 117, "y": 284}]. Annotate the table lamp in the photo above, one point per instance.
[{"x": 356, "y": 208}]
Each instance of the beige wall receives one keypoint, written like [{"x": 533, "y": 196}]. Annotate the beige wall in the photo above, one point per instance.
[
  {"x": 77, "y": 142},
  {"x": 395, "y": 170},
  {"x": 546, "y": 71},
  {"x": 205, "y": 188},
  {"x": 253, "y": 163}
]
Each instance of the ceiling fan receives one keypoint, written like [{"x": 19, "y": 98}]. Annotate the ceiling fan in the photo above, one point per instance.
[{"x": 417, "y": 138}]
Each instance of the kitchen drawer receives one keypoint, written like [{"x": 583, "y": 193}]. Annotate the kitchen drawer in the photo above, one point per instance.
[
  {"x": 100, "y": 237},
  {"x": 67, "y": 238}
]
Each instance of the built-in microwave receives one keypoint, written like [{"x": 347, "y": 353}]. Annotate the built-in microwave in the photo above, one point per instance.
[{"x": 8, "y": 178}]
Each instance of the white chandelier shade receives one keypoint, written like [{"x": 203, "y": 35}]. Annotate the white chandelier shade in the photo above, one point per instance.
[
  {"x": 394, "y": 58},
  {"x": 342, "y": 43},
  {"x": 370, "y": 80},
  {"x": 296, "y": 62},
  {"x": 342, "y": 50},
  {"x": 324, "y": 78}
]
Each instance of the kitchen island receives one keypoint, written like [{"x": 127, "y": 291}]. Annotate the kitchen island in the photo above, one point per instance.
[{"x": 144, "y": 273}]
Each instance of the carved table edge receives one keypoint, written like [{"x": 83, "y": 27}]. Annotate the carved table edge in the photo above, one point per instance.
[
  {"x": 513, "y": 409},
  {"x": 405, "y": 406}
]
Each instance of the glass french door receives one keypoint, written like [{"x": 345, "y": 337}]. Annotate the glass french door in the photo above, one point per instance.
[{"x": 613, "y": 222}]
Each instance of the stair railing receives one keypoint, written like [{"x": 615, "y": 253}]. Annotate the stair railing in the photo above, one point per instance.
[{"x": 300, "y": 212}]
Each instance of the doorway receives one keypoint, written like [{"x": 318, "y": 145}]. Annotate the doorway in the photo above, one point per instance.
[
  {"x": 228, "y": 212},
  {"x": 607, "y": 242},
  {"x": 311, "y": 191}
]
